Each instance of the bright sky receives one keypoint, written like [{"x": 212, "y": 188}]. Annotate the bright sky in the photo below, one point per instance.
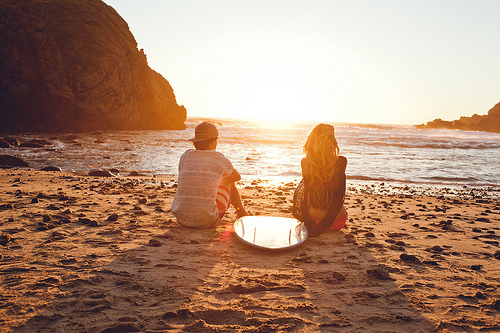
[{"x": 383, "y": 61}]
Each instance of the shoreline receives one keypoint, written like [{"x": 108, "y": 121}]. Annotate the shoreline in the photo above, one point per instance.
[{"x": 106, "y": 255}]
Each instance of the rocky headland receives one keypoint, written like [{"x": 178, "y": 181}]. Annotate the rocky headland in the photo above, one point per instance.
[
  {"x": 487, "y": 123},
  {"x": 74, "y": 65}
]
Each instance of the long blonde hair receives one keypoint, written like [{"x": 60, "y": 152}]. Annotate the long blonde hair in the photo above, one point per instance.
[{"x": 321, "y": 150}]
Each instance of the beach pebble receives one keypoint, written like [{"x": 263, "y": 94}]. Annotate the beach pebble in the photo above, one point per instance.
[
  {"x": 379, "y": 273},
  {"x": 480, "y": 295},
  {"x": 154, "y": 242},
  {"x": 113, "y": 217},
  {"x": 58, "y": 234},
  {"x": 6, "y": 206},
  {"x": 100, "y": 173},
  {"x": 436, "y": 248},
  {"x": 338, "y": 276},
  {"x": 495, "y": 304},
  {"x": 127, "y": 327},
  {"x": 476, "y": 267},
  {"x": 497, "y": 255},
  {"x": 332, "y": 281},
  {"x": 4, "y": 239},
  {"x": 302, "y": 258},
  {"x": 114, "y": 171},
  {"x": 409, "y": 257},
  {"x": 369, "y": 235},
  {"x": 395, "y": 247},
  {"x": 87, "y": 221}
]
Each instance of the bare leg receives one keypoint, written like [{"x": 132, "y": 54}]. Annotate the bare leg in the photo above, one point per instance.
[
  {"x": 236, "y": 202},
  {"x": 235, "y": 198}
]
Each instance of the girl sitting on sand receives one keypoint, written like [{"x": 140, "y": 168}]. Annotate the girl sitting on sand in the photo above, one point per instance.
[{"x": 319, "y": 198}]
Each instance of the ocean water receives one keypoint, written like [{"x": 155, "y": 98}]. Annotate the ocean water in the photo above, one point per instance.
[{"x": 375, "y": 153}]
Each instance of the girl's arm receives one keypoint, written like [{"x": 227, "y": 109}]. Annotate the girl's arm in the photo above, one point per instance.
[{"x": 304, "y": 165}]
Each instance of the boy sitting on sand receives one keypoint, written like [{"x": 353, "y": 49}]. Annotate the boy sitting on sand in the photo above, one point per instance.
[{"x": 206, "y": 182}]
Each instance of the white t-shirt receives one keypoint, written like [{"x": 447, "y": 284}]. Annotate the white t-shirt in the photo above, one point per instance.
[{"x": 200, "y": 173}]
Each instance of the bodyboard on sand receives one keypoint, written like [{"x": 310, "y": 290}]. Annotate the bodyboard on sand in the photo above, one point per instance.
[{"x": 270, "y": 232}]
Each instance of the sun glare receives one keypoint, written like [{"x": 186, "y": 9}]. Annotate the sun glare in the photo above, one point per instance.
[{"x": 274, "y": 100}]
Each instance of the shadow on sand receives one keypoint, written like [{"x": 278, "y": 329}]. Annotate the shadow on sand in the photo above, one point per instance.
[{"x": 208, "y": 281}]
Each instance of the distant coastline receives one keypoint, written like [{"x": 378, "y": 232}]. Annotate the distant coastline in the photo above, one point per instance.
[{"x": 486, "y": 123}]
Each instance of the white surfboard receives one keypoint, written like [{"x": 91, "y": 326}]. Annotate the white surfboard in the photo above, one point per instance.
[{"x": 270, "y": 232}]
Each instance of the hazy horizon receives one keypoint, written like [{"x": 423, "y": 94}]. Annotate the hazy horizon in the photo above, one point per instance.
[{"x": 382, "y": 62}]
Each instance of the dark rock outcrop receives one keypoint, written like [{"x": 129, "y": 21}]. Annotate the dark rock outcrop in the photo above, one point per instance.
[
  {"x": 9, "y": 160},
  {"x": 487, "y": 123},
  {"x": 73, "y": 65}
]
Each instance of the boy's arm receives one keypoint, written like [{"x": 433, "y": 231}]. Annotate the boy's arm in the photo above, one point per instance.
[{"x": 235, "y": 176}]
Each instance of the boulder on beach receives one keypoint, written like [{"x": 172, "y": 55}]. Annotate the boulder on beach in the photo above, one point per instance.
[
  {"x": 9, "y": 160},
  {"x": 4, "y": 144},
  {"x": 12, "y": 141},
  {"x": 74, "y": 65},
  {"x": 51, "y": 168},
  {"x": 101, "y": 173}
]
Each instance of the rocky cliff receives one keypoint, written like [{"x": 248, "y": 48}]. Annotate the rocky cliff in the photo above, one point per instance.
[
  {"x": 73, "y": 65},
  {"x": 487, "y": 123}
]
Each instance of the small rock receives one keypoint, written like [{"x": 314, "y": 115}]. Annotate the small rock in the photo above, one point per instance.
[
  {"x": 379, "y": 273},
  {"x": 92, "y": 223},
  {"x": 100, "y": 173},
  {"x": 114, "y": 171},
  {"x": 476, "y": 267},
  {"x": 4, "y": 239},
  {"x": 154, "y": 242},
  {"x": 497, "y": 255},
  {"x": 436, "y": 248},
  {"x": 408, "y": 257},
  {"x": 338, "y": 276},
  {"x": 58, "y": 234},
  {"x": 51, "y": 168},
  {"x": 113, "y": 217},
  {"x": 480, "y": 295}
]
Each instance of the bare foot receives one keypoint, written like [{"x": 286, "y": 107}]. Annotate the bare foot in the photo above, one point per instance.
[{"x": 242, "y": 212}]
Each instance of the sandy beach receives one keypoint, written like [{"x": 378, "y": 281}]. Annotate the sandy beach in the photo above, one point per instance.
[{"x": 89, "y": 254}]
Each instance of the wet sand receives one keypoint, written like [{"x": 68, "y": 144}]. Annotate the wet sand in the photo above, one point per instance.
[{"x": 88, "y": 254}]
